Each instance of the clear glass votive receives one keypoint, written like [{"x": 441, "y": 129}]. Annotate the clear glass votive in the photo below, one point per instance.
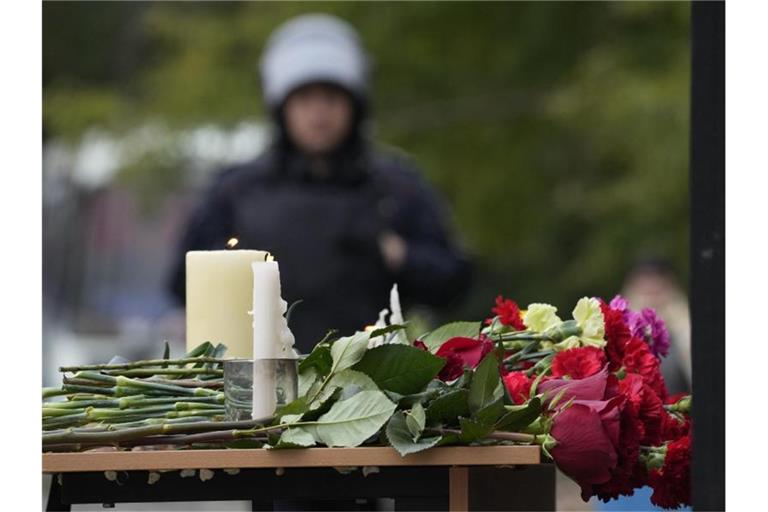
[{"x": 271, "y": 382}]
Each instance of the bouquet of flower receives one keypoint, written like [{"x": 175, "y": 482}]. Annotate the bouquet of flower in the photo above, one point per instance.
[{"x": 588, "y": 390}]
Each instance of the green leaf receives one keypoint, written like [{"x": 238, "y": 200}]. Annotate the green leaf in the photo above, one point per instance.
[
  {"x": 199, "y": 350},
  {"x": 307, "y": 380},
  {"x": 290, "y": 418},
  {"x": 401, "y": 439},
  {"x": 217, "y": 353},
  {"x": 352, "y": 421},
  {"x": 400, "y": 368},
  {"x": 472, "y": 430},
  {"x": 486, "y": 387},
  {"x": 352, "y": 382},
  {"x": 433, "y": 390},
  {"x": 519, "y": 417},
  {"x": 322, "y": 403},
  {"x": 347, "y": 351},
  {"x": 387, "y": 330},
  {"x": 415, "y": 420},
  {"x": 447, "y": 408},
  {"x": 319, "y": 359},
  {"x": 434, "y": 339},
  {"x": 490, "y": 413},
  {"x": 295, "y": 437},
  {"x": 298, "y": 406}
]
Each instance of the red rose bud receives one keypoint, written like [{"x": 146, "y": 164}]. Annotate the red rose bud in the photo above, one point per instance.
[
  {"x": 420, "y": 345},
  {"x": 460, "y": 353},
  {"x": 586, "y": 434}
]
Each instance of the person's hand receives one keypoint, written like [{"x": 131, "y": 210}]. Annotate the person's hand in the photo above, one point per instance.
[{"x": 393, "y": 250}]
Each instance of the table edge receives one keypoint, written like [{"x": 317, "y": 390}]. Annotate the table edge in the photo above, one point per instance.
[{"x": 294, "y": 458}]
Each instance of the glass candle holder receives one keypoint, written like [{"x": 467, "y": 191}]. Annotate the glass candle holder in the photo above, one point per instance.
[{"x": 253, "y": 389}]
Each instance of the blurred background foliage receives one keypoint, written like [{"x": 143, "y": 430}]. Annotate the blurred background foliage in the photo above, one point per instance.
[{"x": 557, "y": 132}]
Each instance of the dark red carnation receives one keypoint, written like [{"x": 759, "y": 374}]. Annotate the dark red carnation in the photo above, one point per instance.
[
  {"x": 673, "y": 427},
  {"x": 586, "y": 434},
  {"x": 650, "y": 410},
  {"x": 518, "y": 386},
  {"x": 627, "y": 475},
  {"x": 578, "y": 363},
  {"x": 641, "y": 423},
  {"x": 672, "y": 483},
  {"x": 461, "y": 353},
  {"x": 639, "y": 359},
  {"x": 617, "y": 335},
  {"x": 508, "y": 312}
]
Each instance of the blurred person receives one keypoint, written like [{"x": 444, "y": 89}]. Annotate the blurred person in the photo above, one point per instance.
[
  {"x": 652, "y": 283},
  {"x": 345, "y": 219}
]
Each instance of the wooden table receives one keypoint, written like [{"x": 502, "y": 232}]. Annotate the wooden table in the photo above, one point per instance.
[{"x": 455, "y": 478}]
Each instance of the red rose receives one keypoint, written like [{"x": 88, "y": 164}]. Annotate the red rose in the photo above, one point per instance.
[
  {"x": 518, "y": 386},
  {"x": 508, "y": 312},
  {"x": 639, "y": 359},
  {"x": 586, "y": 436},
  {"x": 578, "y": 363},
  {"x": 617, "y": 335},
  {"x": 460, "y": 353},
  {"x": 672, "y": 483}
]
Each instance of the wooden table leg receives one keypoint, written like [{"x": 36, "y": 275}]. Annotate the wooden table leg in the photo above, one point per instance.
[
  {"x": 54, "y": 497},
  {"x": 458, "y": 489}
]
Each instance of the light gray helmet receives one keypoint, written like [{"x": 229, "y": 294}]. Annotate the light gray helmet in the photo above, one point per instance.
[{"x": 313, "y": 48}]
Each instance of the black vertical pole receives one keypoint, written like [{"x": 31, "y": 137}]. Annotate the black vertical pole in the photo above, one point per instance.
[{"x": 707, "y": 293}]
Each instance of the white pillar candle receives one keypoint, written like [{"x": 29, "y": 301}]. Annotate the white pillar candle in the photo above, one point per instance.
[
  {"x": 219, "y": 299},
  {"x": 266, "y": 309},
  {"x": 271, "y": 337},
  {"x": 264, "y": 389}
]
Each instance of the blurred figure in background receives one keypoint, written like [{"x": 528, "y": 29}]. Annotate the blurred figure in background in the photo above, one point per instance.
[
  {"x": 344, "y": 219},
  {"x": 652, "y": 283}
]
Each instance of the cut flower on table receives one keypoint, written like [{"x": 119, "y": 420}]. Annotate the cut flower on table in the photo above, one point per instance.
[{"x": 588, "y": 391}]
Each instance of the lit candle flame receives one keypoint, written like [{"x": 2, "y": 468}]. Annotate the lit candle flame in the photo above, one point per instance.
[{"x": 232, "y": 242}]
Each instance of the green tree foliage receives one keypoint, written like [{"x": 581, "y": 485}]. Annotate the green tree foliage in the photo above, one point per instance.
[{"x": 558, "y": 132}]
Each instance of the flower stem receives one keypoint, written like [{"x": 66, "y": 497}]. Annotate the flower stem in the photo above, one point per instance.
[
  {"x": 497, "y": 434},
  {"x": 142, "y": 364},
  {"x": 71, "y": 436}
]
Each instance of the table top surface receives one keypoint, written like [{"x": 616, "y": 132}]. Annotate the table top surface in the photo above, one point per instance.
[{"x": 309, "y": 457}]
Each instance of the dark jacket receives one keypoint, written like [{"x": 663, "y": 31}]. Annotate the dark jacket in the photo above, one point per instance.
[{"x": 324, "y": 232}]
